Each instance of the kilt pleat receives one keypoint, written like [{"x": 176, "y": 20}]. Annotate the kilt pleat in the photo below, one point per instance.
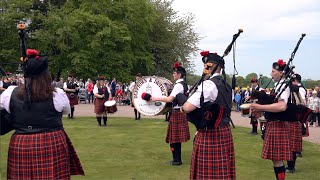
[
  {"x": 99, "y": 107},
  {"x": 276, "y": 144},
  {"x": 73, "y": 101},
  {"x": 213, "y": 155},
  {"x": 47, "y": 155},
  {"x": 296, "y": 136},
  {"x": 178, "y": 128}
]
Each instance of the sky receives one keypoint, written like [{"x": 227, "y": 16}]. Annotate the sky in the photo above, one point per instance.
[{"x": 271, "y": 28}]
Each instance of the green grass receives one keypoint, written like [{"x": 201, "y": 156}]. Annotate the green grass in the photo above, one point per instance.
[{"x": 129, "y": 149}]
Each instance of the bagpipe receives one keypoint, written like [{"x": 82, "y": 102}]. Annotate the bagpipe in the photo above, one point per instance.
[
  {"x": 209, "y": 115},
  {"x": 295, "y": 111}
]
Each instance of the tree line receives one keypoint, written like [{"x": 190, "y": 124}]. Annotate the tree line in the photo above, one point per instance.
[{"x": 114, "y": 38}]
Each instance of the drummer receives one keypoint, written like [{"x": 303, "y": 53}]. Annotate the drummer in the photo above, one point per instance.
[
  {"x": 102, "y": 94},
  {"x": 178, "y": 129},
  {"x": 136, "y": 113}
]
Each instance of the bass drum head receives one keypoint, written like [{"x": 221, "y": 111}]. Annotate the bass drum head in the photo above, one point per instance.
[{"x": 156, "y": 86}]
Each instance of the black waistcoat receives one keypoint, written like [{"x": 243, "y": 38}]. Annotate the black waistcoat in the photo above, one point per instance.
[
  {"x": 224, "y": 97},
  {"x": 41, "y": 117},
  {"x": 185, "y": 90},
  {"x": 103, "y": 90}
]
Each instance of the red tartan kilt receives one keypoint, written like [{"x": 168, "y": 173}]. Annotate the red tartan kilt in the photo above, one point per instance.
[
  {"x": 178, "y": 128},
  {"x": 276, "y": 144},
  {"x": 42, "y": 156},
  {"x": 296, "y": 136},
  {"x": 213, "y": 155},
  {"x": 73, "y": 101},
  {"x": 99, "y": 107}
]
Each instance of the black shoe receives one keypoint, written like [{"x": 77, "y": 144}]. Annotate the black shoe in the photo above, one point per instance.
[
  {"x": 175, "y": 163},
  {"x": 290, "y": 170},
  {"x": 99, "y": 124}
]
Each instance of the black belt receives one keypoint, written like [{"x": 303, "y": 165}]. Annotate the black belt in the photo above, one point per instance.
[{"x": 34, "y": 130}]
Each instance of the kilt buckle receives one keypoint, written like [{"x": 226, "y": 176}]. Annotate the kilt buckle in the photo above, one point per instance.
[{"x": 29, "y": 127}]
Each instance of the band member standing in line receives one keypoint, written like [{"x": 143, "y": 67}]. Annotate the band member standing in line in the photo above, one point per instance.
[
  {"x": 178, "y": 128},
  {"x": 136, "y": 113},
  {"x": 71, "y": 88},
  {"x": 298, "y": 97},
  {"x": 39, "y": 148},
  {"x": 213, "y": 151},
  {"x": 101, "y": 93},
  {"x": 276, "y": 145}
]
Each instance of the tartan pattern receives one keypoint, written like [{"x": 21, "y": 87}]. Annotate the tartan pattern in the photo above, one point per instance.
[
  {"x": 296, "y": 136},
  {"x": 47, "y": 155},
  {"x": 99, "y": 107},
  {"x": 213, "y": 155},
  {"x": 73, "y": 101},
  {"x": 178, "y": 128},
  {"x": 276, "y": 144}
]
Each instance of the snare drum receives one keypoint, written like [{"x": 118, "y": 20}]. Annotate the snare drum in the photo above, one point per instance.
[
  {"x": 245, "y": 110},
  {"x": 156, "y": 86},
  {"x": 111, "y": 106}
]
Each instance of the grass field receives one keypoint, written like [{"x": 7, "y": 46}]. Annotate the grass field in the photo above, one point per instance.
[{"x": 129, "y": 149}]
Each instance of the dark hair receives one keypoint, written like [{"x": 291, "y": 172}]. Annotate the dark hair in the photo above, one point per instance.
[{"x": 41, "y": 88}]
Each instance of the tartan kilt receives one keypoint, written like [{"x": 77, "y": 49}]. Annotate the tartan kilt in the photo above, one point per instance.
[
  {"x": 296, "y": 136},
  {"x": 276, "y": 144},
  {"x": 213, "y": 155},
  {"x": 178, "y": 128},
  {"x": 99, "y": 107},
  {"x": 48, "y": 155},
  {"x": 73, "y": 101}
]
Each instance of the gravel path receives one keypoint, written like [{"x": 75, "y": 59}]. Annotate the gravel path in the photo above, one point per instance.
[{"x": 238, "y": 120}]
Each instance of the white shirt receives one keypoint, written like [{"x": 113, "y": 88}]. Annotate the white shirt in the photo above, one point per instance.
[
  {"x": 285, "y": 94},
  {"x": 1, "y": 84},
  {"x": 95, "y": 89},
  {"x": 302, "y": 92},
  {"x": 210, "y": 92},
  {"x": 131, "y": 86},
  {"x": 177, "y": 88},
  {"x": 60, "y": 100}
]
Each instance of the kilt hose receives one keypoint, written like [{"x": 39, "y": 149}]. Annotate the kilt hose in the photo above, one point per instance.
[
  {"x": 178, "y": 128},
  {"x": 213, "y": 155},
  {"x": 73, "y": 101},
  {"x": 99, "y": 107},
  {"x": 296, "y": 136},
  {"x": 276, "y": 144},
  {"x": 47, "y": 155}
]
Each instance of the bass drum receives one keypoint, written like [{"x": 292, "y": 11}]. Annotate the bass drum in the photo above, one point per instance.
[{"x": 156, "y": 86}]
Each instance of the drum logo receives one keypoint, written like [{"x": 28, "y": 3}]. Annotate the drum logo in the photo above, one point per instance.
[{"x": 157, "y": 88}]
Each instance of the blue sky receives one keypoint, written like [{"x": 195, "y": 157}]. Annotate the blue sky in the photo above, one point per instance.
[{"x": 271, "y": 31}]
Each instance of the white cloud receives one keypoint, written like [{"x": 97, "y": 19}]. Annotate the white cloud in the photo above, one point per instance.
[{"x": 272, "y": 20}]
